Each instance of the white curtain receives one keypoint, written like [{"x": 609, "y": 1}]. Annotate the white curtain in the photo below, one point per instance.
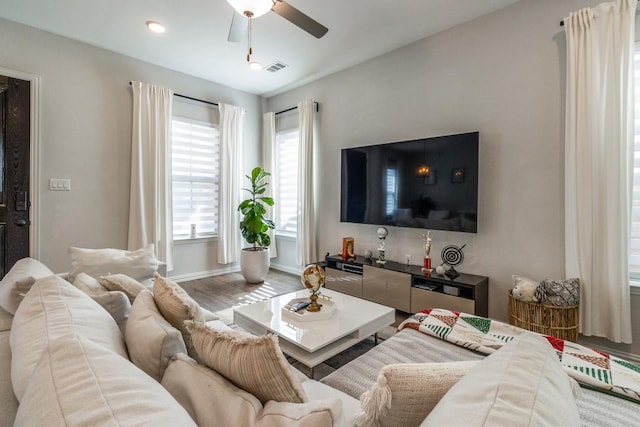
[
  {"x": 150, "y": 198},
  {"x": 269, "y": 161},
  {"x": 306, "y": 233},
  {"x": 231, "y": 124},
  {"x": 599, "y": 162}
]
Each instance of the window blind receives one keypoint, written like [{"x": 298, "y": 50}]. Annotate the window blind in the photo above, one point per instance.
[
  {"x": 286, "y": 191},
  {"x": 195, "y": 164}
]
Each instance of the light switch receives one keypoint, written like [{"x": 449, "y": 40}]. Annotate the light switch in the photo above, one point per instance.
[{"x": 56, "y": 184}]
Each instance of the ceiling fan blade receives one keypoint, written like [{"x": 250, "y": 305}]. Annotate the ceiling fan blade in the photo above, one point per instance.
[
  {"x": 298, "y": 18},
  {"x": 238, "y": 28}
]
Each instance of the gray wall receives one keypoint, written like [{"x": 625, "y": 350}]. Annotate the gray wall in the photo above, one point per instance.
[
  {"x": 502, "y": 75},
  {"x": 85, "y": 130}
]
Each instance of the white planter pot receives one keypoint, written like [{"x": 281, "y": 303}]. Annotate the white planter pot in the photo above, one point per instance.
[{"x": 254, "y": 265}]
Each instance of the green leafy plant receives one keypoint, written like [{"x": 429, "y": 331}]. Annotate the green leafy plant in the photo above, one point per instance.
[{"x": 254, "y": 225}]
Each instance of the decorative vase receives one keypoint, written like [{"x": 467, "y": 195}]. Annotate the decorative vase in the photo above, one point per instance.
[{"x": 254, "y": 264}]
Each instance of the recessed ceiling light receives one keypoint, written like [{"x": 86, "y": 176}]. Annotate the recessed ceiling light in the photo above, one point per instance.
[
  {"x": 156, "y": 27},
  {"x": 255, "y": 65}
]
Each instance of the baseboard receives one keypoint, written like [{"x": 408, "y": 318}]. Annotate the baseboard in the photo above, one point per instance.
[
  {"x": 204, "y": 274},
  {"x": 287, "y": 269}
]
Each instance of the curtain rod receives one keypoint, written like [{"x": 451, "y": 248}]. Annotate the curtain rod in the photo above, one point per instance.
[
  {"x": 562, "y": 23},
  {"x": 193, "y": 99},
  {"x": 295, "y": 108}
]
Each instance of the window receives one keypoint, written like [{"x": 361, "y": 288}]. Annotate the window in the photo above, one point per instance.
[
  {"x": 286, "y": 186},
  {"x": 634, "y": 242},
  {"x": 195, "y": 164}
]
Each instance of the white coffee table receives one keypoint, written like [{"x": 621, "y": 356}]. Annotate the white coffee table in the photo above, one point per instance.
[{"x": 313, "y": 342}]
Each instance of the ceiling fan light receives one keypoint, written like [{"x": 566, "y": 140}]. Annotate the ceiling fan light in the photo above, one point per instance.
[
  {"x": 255, "y": 65},
  {"x": 256, "y": 8}
]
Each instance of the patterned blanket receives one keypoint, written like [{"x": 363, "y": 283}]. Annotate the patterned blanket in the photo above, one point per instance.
[{"x": 589, "y": 367}]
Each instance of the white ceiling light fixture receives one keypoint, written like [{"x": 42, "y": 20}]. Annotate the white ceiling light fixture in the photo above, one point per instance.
[
  {"x": 251, "y": 8},
  {"x": 155, "y": 27},
  {"x": 255, "y": 65}
]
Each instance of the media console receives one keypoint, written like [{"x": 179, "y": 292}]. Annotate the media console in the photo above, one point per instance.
[{"x": 407, "y": 287}]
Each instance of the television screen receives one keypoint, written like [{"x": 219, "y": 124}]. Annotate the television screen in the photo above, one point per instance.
[{"x": 429, "y": 183}]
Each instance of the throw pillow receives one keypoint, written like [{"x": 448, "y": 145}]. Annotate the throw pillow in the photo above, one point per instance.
[
  {"x": 405, "y": 393},
  {"x": 139, "y": 264},
  {"x": 524, "y": 380},
  {"x": 89, "y": 285},
  {"x": 176, "y": 307},
  {"x": 17, "y": 282},
  {"x": 562, "y": 293},
  {"x": 254, "y": 363},
  {"x": 122, "y": 283},
  {"x": 151, "y": 340},
  {"x": 117, "y": 304},
  {"x": 212, "y": 400}
]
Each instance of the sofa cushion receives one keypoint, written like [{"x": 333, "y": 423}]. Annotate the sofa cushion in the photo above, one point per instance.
[
  {"x": 151, "y": 340},
  {"x": 140, "y": 264},
  {"x": 17, "y": 282},
  {"x": 8, "y": 402},
  {"x": 254, "y": 363},
  {"x": 176, "y": 307},
  {"x": 53, "y": 309},
  {"x": 123, "y": 283},
  {"x": 405, "y": 393},
  {"x": 80, "y": 383},
  {"x": 212, "y": 400},
  {"x": 6, "y": 319},
  {"x": 315, "y": 390},
  {"x": 523, "y": 383}
]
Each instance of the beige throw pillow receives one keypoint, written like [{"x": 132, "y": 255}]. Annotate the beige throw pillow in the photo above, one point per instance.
[
  {"x": 122, "y": 283},
  {"x": 405, "y": 393},
  {"x": 17, "y": 282},
  {"x": 211, "y": 400},
  {"x": 523, "y": 383},
  {"x": 89, "y": 285},
  {"x": 255, "y": 364},
  {"x": 151, "y": 340},
  {"x": 139, "y": 264},
  {"x": 176, "y": 307}
]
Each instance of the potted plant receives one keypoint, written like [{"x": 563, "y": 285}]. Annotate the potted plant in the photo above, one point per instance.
[{"x": 254, "y": 260}]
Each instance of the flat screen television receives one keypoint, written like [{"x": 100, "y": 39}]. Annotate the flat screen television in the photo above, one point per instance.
[{"x": 429, "y": 183}]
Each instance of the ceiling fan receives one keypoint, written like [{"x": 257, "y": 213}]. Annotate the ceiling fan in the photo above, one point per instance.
[{"x": 251, "y": 9}]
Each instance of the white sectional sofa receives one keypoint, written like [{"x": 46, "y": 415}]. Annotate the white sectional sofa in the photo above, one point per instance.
[{"x": 65, "y": 361}]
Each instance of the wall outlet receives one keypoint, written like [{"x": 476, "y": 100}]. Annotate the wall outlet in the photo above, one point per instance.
[{"x": 408, "y": 259}]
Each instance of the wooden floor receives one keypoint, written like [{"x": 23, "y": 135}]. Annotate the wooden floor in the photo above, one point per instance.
[{"x": 231, "y": 290}]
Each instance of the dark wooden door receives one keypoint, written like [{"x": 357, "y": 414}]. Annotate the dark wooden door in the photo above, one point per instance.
[{"x": 14, "y": 171}]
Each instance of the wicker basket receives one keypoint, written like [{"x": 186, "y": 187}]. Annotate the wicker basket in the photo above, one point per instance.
[{"x": 560, "y": 322}]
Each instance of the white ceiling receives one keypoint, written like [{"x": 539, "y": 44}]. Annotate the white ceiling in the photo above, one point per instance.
[{"x": 196, "y": 39}]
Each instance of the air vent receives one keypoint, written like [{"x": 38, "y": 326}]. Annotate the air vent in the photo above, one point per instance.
[{"x": 276, "y": 66}]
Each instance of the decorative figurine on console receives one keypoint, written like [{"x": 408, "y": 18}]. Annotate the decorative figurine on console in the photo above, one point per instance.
[
  {"x": 426, "y": 268},
  {"x": 348, "y": 252},
  {"x": 382, "y": 235},
  {"x": 452, "y": 256},
  {"x": 313, "y": 278}
]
